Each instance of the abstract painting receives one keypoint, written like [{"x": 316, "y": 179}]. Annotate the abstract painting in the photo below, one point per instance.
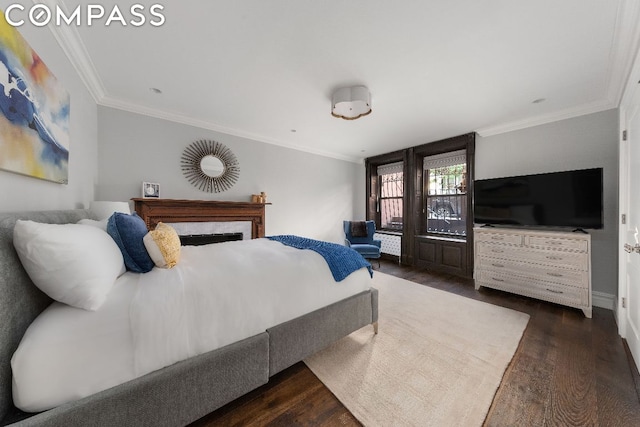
[{"x": 34, "y": 112}]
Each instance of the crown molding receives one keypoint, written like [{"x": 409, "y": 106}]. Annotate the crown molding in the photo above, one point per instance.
[
  {"x": 568, "y": 113},
  {"x": 624, "y": 49},
  {"x": 204, "y": 124},
  {"x": 69, "y": 40}
]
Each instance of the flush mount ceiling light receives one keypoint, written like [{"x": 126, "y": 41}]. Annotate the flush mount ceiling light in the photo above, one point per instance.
[{"x": 350, "y": 103}]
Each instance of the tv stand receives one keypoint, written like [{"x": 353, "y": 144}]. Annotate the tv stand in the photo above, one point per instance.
[{"x": 552, "y": 266}]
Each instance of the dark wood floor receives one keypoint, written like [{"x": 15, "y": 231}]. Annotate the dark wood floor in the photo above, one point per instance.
[{"x": 568, "y": 371}]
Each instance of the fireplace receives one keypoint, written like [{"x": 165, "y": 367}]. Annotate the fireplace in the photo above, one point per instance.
[
  {"x": 204, "y": 217},
  {"x": 206, "y": 239},
  {"x": 205, "y": 232}
]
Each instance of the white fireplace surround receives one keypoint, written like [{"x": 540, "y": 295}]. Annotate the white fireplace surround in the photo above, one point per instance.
[{"x": 213, "y": 227}]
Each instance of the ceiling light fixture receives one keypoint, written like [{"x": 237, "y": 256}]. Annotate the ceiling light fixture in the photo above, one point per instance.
[{"x": 350, "y": 103}]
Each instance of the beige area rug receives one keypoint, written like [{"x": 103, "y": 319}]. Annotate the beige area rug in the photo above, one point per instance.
[{"x": 437, "y": 360}]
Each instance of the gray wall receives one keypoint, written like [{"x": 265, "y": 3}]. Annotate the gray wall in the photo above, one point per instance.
[
  {"x": 583, "y": 142},
  {"x": 26, "y": 193},
  {"x": 311, "y": 194}
]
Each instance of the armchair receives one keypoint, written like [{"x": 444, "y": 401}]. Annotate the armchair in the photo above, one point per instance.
[{"x": 362, "y": 242}]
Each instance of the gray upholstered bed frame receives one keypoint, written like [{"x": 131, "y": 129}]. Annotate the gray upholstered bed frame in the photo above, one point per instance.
[{"x": 180, "y": 393}]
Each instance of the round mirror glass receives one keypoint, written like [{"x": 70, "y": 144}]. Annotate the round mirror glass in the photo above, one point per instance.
[{"x": 212, "y": 166}]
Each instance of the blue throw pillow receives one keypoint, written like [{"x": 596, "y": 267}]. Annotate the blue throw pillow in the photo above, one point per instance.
[{"x": 128, "y": 231}]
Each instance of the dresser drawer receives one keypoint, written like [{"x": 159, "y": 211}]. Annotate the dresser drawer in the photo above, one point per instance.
[
  {"x": 560, "y": 244},
  {"x": 490, "y": 249},
  {"x": 511, "y": 239},
  {"x": 559, "y": 276},
  {"x": 575, "y": 297},
  {"x": 569, "y": 260}
]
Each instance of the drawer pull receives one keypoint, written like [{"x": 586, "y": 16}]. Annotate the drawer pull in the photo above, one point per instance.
[
  {"x": 498, "y": 280},
  {"x": 497, "y": 265},
  {"x": 497, "y": 238},
  {"x": 498, "y": 251},
  {"x": 555, "y": 258},
  {"x": 554, "y": 291},
  {"x": 555, "y": 274},
  {"x": 553, "y": 242}
]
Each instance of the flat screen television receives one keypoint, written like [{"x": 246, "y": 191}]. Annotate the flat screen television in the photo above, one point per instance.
[{"x": 557, "y": 199}]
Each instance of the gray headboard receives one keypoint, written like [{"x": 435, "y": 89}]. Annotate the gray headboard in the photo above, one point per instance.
[{"x": 20, "y": 300}]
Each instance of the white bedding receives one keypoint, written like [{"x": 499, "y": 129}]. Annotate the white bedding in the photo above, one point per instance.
[{"x": 217, "y": 294}]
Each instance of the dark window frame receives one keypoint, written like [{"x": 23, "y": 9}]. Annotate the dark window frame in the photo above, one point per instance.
[
  {"x": 413, "y": 203},
  {"x": 373, "y": 185},
  {"x": 382, "y": 198},
  {"x": 456, "y": 211}
]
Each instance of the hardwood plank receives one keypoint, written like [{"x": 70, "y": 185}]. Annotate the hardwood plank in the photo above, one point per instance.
[
  {"x": 573, "y": 390},
  {"x": 634, "y": 369},
  {"x": 614, "y": 396},
  {"x": 294, "y": 397},
  {"x": 523, "y": 397}
]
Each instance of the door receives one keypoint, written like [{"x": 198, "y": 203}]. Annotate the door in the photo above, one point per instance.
[{"x": 629, "y": 277}]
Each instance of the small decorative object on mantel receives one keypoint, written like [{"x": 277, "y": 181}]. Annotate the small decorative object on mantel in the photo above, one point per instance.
[
  {"x": 259, "y": 198},
  {"x": 210, "y": 166},
  {"x": 150, "y": 190}
]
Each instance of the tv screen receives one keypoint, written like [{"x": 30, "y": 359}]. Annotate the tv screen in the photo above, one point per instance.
[{"x": 558, "y": 199}]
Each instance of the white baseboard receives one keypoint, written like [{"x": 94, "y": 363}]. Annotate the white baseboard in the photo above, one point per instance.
[{"x": 602, "y": 300}]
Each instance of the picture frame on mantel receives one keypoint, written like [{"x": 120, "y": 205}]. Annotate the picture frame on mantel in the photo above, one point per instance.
[{"x": 150, "y": 190}]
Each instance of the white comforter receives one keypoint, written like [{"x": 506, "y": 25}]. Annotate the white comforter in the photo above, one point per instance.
[{"x": 217, "y": 294}]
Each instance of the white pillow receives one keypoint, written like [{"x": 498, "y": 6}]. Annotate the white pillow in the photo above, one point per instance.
[
  {"x": 102, "y": 224},
  {"x": 103, "y": 210},
  {"x": 72, "y": 263}
]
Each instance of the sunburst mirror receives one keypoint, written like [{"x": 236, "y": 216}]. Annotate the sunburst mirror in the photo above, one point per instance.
[{"x": 210, "y": 166}]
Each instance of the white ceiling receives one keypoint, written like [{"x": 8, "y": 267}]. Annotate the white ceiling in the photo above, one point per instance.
[{"x": 261, "y": 69}]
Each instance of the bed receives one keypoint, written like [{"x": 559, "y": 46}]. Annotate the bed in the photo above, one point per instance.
[{"x": 183, "y": 391}]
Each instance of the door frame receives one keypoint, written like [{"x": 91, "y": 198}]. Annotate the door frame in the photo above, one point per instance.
[
  {"x": 627, "y": 110},
  {"x": 623, "y": 204}
]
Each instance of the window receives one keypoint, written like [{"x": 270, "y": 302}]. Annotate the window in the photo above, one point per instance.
[
  {"x": 445, "y": 189},
  {"x": 391, "y": 186}
]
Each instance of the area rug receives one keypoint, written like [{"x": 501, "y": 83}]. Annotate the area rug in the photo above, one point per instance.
[{"x": 437, "y": 360}]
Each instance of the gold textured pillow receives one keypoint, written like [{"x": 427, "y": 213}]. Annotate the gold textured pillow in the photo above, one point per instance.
[{"x": 163, "y": 245}]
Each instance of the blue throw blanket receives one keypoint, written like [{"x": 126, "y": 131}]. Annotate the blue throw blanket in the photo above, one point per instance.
[{"x": 342, "y": 260}]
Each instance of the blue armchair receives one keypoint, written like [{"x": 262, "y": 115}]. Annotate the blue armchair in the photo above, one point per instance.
[{"x": 363, "y": 241}]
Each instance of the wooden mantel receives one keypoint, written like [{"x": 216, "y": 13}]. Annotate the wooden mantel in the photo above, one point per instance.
[{"x": 153, "y": 211}]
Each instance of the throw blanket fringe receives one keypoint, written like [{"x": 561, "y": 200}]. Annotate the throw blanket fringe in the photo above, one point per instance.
[{"x": 341, "y": 260}]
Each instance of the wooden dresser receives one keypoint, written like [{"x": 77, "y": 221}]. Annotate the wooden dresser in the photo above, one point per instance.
[{"x": 547, "y": 265}]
